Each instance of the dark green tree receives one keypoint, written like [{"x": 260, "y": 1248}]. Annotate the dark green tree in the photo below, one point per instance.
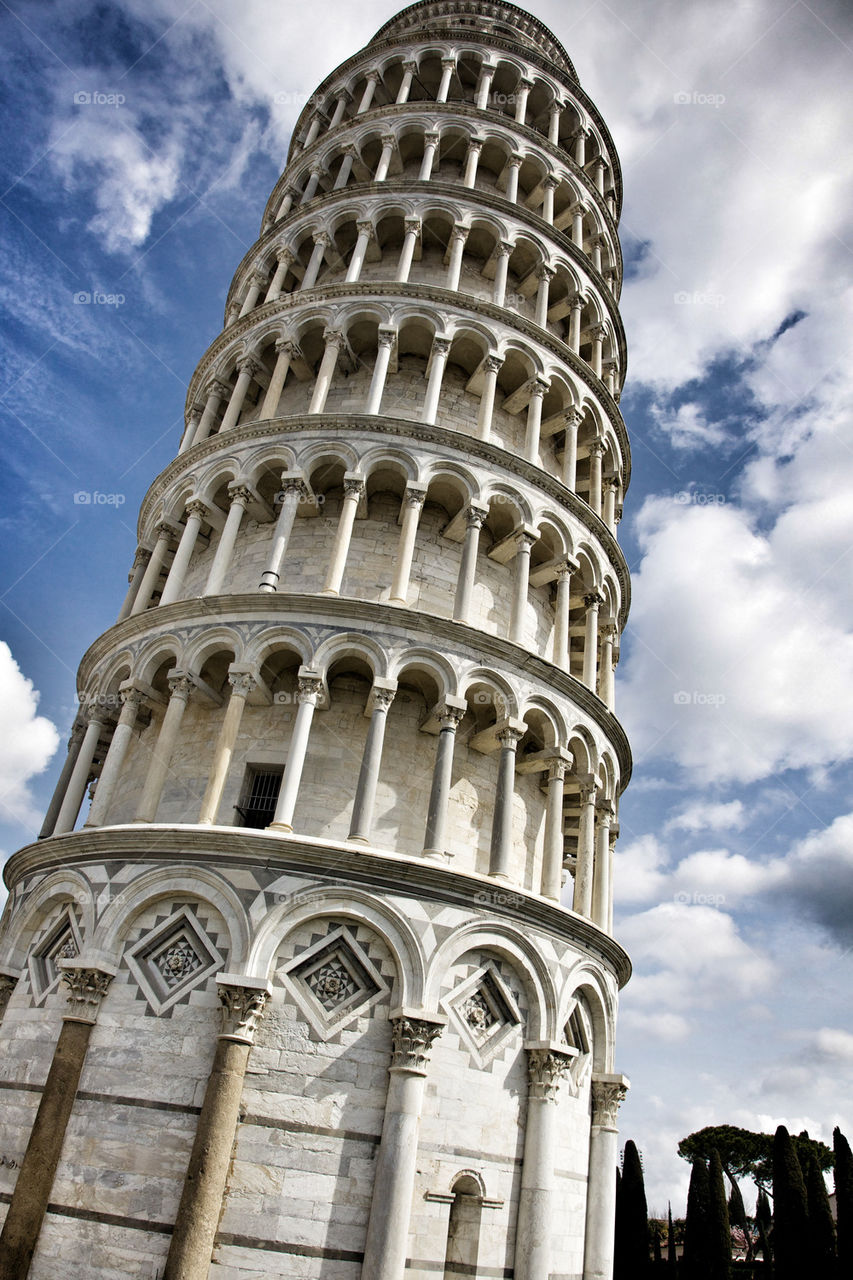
[
  {"x": 764, "y": 1225},
  {"x": 696, "y": 1263},
  {"x": 821, "y": 1225},
  {"x": 745, "y": 1154},
  {"x": 631, "y": 1253},
  {"x": 790, "y": 1211},
  {"x": 843, "y": 1201},
  {"x": 720, "y": 1253},
  {"x": 738, "y": 1217},
  {"x": 671, "y": 1255}
]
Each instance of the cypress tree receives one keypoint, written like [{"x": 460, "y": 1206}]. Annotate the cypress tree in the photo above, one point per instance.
[
  {"x": 821, "y": 1226},
  {"x": 843, "y": 1201},
  {"x": 737, "y": 1215},
  {"x": 720, "y": 1253},
  {"x": 697, "y": 1232},
  {"x": 764, "y": 1223},
  {"x": 631, "y": 1254},
  {"x": 790, "y": 1211},
  {"x": 671, "y": 1255}
]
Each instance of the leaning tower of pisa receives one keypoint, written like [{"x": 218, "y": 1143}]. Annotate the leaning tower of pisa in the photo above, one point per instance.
[{"x": 322, "y": 982}]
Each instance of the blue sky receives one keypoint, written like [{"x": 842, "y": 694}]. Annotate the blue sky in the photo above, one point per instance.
[{"x": 140, "y": 143}]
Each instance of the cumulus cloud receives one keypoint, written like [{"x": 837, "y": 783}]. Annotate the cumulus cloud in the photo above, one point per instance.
[
  {"x": 709, "y": 817},
  {"x": 27, "y": 743}
]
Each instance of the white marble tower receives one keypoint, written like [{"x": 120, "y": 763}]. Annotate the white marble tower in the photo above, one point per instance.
[{"x": 322, "y": 985}]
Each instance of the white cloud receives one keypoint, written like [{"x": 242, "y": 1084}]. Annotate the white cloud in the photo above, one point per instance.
[
  {"x": 688, "y": 428},
  {"x": 27, "y": 743},
  {"x": 709, "y": 817}
]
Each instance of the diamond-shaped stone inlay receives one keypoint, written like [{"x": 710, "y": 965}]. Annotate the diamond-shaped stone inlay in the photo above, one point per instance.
[
  {"x": 478, "y": 1014},
  {"x": 486, "y": 1013},
  {"x": 332, "y": 983},
  {"x": 177, "y": 961},
  {"x": 172, "y": 959},
  {"x": 62, "y": 942}
]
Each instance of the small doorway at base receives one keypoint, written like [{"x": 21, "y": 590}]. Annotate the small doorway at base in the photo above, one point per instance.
[{"x": 463, "y": 1230}]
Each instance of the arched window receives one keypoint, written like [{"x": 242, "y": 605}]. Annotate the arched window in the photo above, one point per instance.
[{"x": 463, "y": 1229}]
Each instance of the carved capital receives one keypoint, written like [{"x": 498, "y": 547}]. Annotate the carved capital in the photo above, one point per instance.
[
  {"x": 431, "y": 138},
  {"x": 607, "y": 1094},
  {"x": 475, "y": 517},
  {"x": 322, "y": 237},
  {"x": 593, "y": 599},
  {"x": 387, "y": 336},
  {"x": 382, "y": 699},
  {"x": 545, "y": 1070},
  {"x": 366, "y": 228},
  {"x": 333, "y": 337},
  {"x": 353, "y": 488},
  {"x": 180, "y": 686},
  {"x": 242, "y": 1008},
  {"x": 538, "y": 387},
  {"x": 131, "y": 698},
  {"x": 197, "y": 508},
  {"x": 476, "y": 145},
  {"x": 509, "y": 737},
  {"x": 493, "y": 364},
  {"x": 308, "y": 690},
  {"x": 240, "y": 493},
  {"x": 242, "y": 683},
  {"x": 596, "y": 449},
  {"x": 86, "y": 987},
  {"x": 411, "y": 1041},
  {"x": 389, "y": 140},
  {"x": 440, "y": 346},
  {"x": 219, "y": 389},
  {"x": 459, "y": 233},
  {"x": 249, "y": 365},
  {"x": 413, "y": 226},
  {"x": 450, "y": 717},
  {"x": 598, "y": 332},
  {"x": 557, "y": 769}
]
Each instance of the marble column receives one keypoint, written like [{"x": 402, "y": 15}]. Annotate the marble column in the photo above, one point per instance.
[
  {"x": 372, "y": 79},
  {"x": 592, "y": 600},
  {"x": 524, "y": 545},
  {"x": 409, "y": 70},
  {"x": 246, "y": 370},
  {"x": 386, "y": 338},
  {"x": 605, "y": 672},
  {"x": 309, "y": 689},
  {"x": 75, "y": 742},
  {"x": 368, "y": 778},
  {"x": 501, "y": 273},
  {"x": 431, "y": 140},
  {"x": 79, "y": 780},
  {"x": 410, "y": 240},
  {"x": 315, "y": 174},
  {"x": 351, "y": 154},
  {"x": 458, "y": 237},
  {"x": 366, "y": 233},
  {"x": 598, "y": 335},
  {"x": 87, "y": 986},
  {"x": 579, "y": 141},
  {"x": 293, "y": 491},
  {"x": 500, "y": 850},
  {"x": 601, "y": 871},
  {"x": 492, "y": 366},
  {"x": 217, "y": 392},
  {"x": 573, "y": 419},
  {"x": 413, "y": 503},
  {"x": 611, "y": 487},
  {"x": 196, "y": 512},
  {"x": 344, "y": 99},
  {"x": 562, "y": 641},
  {"x": 515, "y": 162},
  {"x": 545, "y": 275},
  {"x": 449, "y": 717},
  {"x": 193, "y": 419},
  {"x": 522, "y": 92},
  {"x": 243, "y": 1000},
  {"x": 475, "y": 518},
  {"x": 131, "y": 700},
  {"x": 180, "y": 688},
  {"x": 582, "y": 899},
  {"x": 596, "y": 453},
  {"x": 333, "y": 339},
  {"x": 135, "y": 578},
  {"x": 256, "y": 283},
  {"x": 487, "y": 71},
  {"x": 386, "y": 1246},
  {"x": 554, "y": 123},
  {"x": 284, "y": 261},
  {"x": 472, "y": 160},
  {"x": 322, "y": 241},
  {"x": 577, "y": 212},
  {"x": 242, "y": 684},
  {"x": 607, "y": 1093},
  {"x": 448, "y": 66},
  {"x": 286, "y": 203},
  {"x": 546, "y": 1065},
  {"x": 353, "y": 493},
  {"x": 577, "y": 304},
  {"x": 550, "y": 184},
  {"x": 165, "y": 533},
  {"x": 534, "y": 420},
  {"x": 438, "y": 360},
  {"x": 389, "y": 145},
  {"x": 240, "y": 497},
  {"x": 553, "y": 853}
]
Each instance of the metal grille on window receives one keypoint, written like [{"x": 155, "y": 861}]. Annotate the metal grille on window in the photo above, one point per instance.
[{"x": 257, "y": 809}]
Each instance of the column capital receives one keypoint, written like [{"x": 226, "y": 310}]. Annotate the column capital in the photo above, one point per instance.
[
  {"x": 510, "y": 735},
  {"x": 475, "y": 516},
  {"x": 243, "y": 1000},
  {"x": 131, "y": 695},
  {"x": 544, "y": 272},
  {"x": 546, "y": 1067},
  {"x": 180, "y": 685},
  {"x": 87, "y": 985},
  {"x": 257, "y": 280},
  {"x": 516, "y": 160},
  {"x": 322, "y": 237},
  {"x": 449, "y": 62},
  {"x": 410, "y": 64},
  {"x": 577, "y": 301},
  {"x": 504, "y": 249},
  {"x": 286, "y": 346},
  {"x": 372, "y": 76},
  {"x": 460, "y": 232},
  {"x": 551, "y": 181},
  {"x": 596, "y": 448},
  {"x": 365, "y": 227},
  {"x": 450, "y": 717},
  {"x": 598, "y": 332},
  {"x": 216, "y": 387},
  {"x": 380, "y": 698},
  {"x": 440, "y": 346},
  {"x": 526, "y": 539},
  {"x": 493, "y": 363},
  {"x": 538, "y": 387},
  {"x": 354, "y": 487},
  {"x": 608, "y": 1091},
  {"x": 412, "y": 1038},
  {"x": 387, "y": 336},
  {"x": 593, "y": 599},
  {"x": 309, "y": 687},
  {"x": 333, "y": 337},
  {"x": 195, "y": 507},
  {"x": 476, "y": 144},
  {"x": 414, "y": 496},
  {"x": 242, "y": 683},
  {"x": 317, "y": 169},
  {"x": 249, "y": 364},
  {"x": 432, "y": 137},
  {"x": 389, "y": 140},
  {"x": 412, "y": 225},
  {"x": 284, "y": 255},
  {"x": 558, "y": 767},
  {"x": 239, "y": 493}
]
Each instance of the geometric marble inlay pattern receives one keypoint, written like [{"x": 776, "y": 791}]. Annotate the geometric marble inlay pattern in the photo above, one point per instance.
[
  {"x": 172, "y": 959},
  {"x": 60, "y": 942},
  {"x": 485, "y": 1013},
  {"x": 333, "y": 981}
]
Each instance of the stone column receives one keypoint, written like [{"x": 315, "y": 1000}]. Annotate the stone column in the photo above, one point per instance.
[
  {"x": 369, "y": 90},
  {"x": 601, "y": 871},
  {"x": 577, "y": 304},
  {"x": 492, "y": 367},
  {"x": 431, "y": 140},
  {"x": 590, "y": 640},
  {"x": 595, "y": 256},
  {"x": 309, "y": 689},
  {"x": 313, "y": 132},
  {"x": 553, "y": 853},
  {"x": 165, "y": 533},
  {"x": 560, "y": 654},
  {"x": 596, "y": 453},
  {"x": 243, "y": 1002},
  {"x": 598, "y": 174},
  {"x": 284, "y": 259},
  {"x": 351, "y": 154},
  {"x": 545, "y": 276},
  {"x": 524, "y": 544},
  {"x": 366, "y": 232},
  {"x": 88, "y": 986},
  {"x": 340, "y": 108},
  {"x": 515, "y": 162},
  {"x": 449, "y": 717},
  {"x": 611, "y": 485},
  {"x": 440, "y": 351},
  {"x": 577, "y": 212},
  {"x": 315, "y": 173},
  {"x": 409, "y": 69},
  {"x": 500, "y": 853},
  {"x": 240, "y": 498},
  {"x": 353, "y": 492},
  {"x": 546, "y": 1065},
  {"x": 448, "y": 66},
  {"x": 554, "y": 123},
  {"x": 315, "y": 262},
  {"x": 137, "y": 573},
  {"x": 79, "y": 779},
  {"x": 598, "y": 334},
  {"x": 472, "y": 159},
  {"x": 396, "y": 1160},
  {"x": 131, "y": 699},
  {"x": 286, "y": 203},
  {"x": 242, "y": 683},
  {"x": 501, "y": 273},
  {"x": 458, "y": 237},
  {"x": 386, "y": 339},
  {"x": 333, "y": 339},
  {"x": 582, "y": 900},
  {"x": 293, "y": 491},
  {"x": 196, "y": 513},
  {"x": 217, "y": 392},
  {"x": 413, "y": 503},
  {"x": 487, "y": 71},
  {"x": 413, "y": 231},
  {"x": 534, "y": 420},
  {"x": 193, "y": 419},
  {"x": 550, "y": 184},
  {"x": 284, "y": 350},
  {"x": 246, "y": 370},
  {"x": 607, "y": 1093},
  {"x": 475, "y": 519},
  {"x": 389, "y": 143},
  {"x": 368, "y": 778},
  {"x": 522, "y": 91},
  {"x": 579, "y": 141},
  {"x": 605, "y": 672},
  {"x": 574, "y": 418},
  {"x": 75, "y": 742},
  {"x": 256, "y": 283},
  {"x": 180, "y": 687}
]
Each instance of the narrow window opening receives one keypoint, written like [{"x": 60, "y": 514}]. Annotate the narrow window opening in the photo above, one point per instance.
[{"x": 259, "y": 796}]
